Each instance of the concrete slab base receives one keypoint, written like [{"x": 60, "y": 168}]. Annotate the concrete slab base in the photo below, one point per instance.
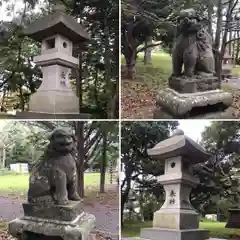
[
  {"x": 29, "y": 228},
  {"x": 36, "y": 115},
  {"x": 182, "y": 105}
]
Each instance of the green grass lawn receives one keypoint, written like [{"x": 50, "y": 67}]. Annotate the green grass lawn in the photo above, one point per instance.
[
  {"x": 236, "y": 71},
  {"x": 216, "y": 229},
  {"x": 18, "y": 184},
  {"x": 160, "y": 69},
  {"x": 158, "y": 72}
]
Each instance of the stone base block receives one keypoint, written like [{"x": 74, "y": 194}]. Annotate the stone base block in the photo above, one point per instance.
[
  {"x": 29, "y": 228},
  {"x": 173, "y": 234},
  {"x": 54, "y": 102},
  {"x": 228, "y": 113},
  {"x": 67, "y": 212},
  {"x": 176, "y": 219},
  {"x": 39, "y": 115},
  {"x": 194, "y": 84},
  {"x": 233, "y": 219},
  {"x": 184, "y": 105}
]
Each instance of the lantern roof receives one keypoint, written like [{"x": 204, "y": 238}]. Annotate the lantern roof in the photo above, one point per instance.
[
  {"x": 57, "y": 22},
  {"x": 179, "y": 145}
]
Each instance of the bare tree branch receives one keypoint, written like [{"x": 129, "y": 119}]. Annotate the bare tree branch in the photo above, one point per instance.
[{"x": 149, "y": 46}]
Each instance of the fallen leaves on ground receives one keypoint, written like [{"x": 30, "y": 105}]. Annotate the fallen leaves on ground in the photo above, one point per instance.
[
  {"x": 3, "y": 232},
  {"x": 137, "y": 100},
  {"x": 100, "y": 235},
  {"x": 109, "y": 198},
  {"x": 236, "y": 104}
]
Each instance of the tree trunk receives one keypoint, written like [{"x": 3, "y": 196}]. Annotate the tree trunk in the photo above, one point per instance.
[
  {"x": 238, "y": 47},
  {"x": 227, "y": 27},
  {"x": 130, "y": 45},
  {"x": 210, "y": 12},
  {"x": 22, "y": 102},
  {"x": 148, "y": 51},
  {"x": 104, "y": 159},
  {"x": 230, "y": 44},
  {"x": 79, "y": 80},
  {"x": 107, "y": 63},
  {"x": 3, "y": 98},
  {"x": 124, "y": 197},
  {"x": 111, "y": 171},
  {"x": 234, "y": 47},
  {"x": 80, "y": 164},
  {"x": 218, "y": 66},
  {"x": 4, "y": 157},
  {"x": 130, "y": 69}
]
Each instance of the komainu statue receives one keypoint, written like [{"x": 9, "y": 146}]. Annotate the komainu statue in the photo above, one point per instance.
[
  {"x": 193, "y": 47},
  {"x": 53, "y": 179}
]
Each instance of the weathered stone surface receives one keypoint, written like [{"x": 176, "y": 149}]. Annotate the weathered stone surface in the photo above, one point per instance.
[
  {"x": 59, "y": 102},
  {"x": 57, "y": 22},
  {"x": 228, "y": 113},
  {"x": 194, "y": 91},
  {"x": 175, "y": 219},
  {"x": 193, "y": 46},
  {"x": 57, "y": 33},
  {"x": 53, "y": 180},
  {"x": 174, "y": 148},
  {"x": 37, "y": 115},
  {"x": 54, "y": 212},
  {"x": 180, "y": 105},
  {"x": 234, "y": 218},
  {"x": 174, "y": 234},
  {"x": 78, "y": 229},
  {"x": 194, "y": 84}
]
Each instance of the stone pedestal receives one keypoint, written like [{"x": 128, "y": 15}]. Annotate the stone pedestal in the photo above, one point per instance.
[
  {"x": 194, "y": 84},
  {"x": 67, "y": 222},
  {"x": 29, "y": 228},
  {"x": 184, "y": 105},
  {"x": 54, "y": 212},
  {"x": 234, "y": 218}
]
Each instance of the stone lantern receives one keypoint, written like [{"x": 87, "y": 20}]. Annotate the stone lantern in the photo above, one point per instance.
[
  {"x": 57, "y": 33},
  {"x": 177, "y": 219}
]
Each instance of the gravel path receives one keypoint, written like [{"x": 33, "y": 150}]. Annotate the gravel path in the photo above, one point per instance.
[{"x": 107, "y": 215}]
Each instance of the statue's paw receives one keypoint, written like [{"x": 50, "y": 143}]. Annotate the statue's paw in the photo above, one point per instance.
[
  {"x": 74, "y": 197},
  {"x": 63, "y": 201}
]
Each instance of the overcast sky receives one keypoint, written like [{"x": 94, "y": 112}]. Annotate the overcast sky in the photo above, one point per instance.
[
  {"x": 18, "y": 6},
  {"x": 193, "y": 128}
]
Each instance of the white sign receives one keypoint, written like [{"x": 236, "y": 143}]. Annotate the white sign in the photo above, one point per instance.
[{"x": 21, "y": 168}]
